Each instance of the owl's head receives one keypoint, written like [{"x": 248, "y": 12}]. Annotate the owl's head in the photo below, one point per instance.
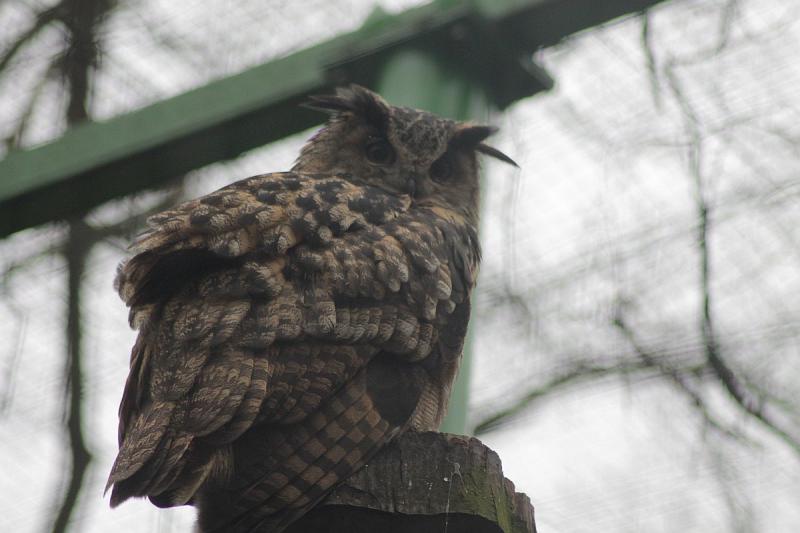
[{"x": 399, "y": 149}]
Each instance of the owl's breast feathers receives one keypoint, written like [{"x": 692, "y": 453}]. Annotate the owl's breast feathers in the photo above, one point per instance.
[{"x": 289, "y": 326}]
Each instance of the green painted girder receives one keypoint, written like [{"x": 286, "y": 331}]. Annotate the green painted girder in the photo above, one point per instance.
[
  {"x": 488, "y": 41},
  {"x": 416, "y": 78}
]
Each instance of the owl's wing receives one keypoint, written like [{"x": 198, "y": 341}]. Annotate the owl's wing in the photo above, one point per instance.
[
  {"x": 270, "y": 314},
  {"x": 264, "y": 215}
]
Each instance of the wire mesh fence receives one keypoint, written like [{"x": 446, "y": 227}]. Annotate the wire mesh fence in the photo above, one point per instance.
[{"x": 650, "y": 242}]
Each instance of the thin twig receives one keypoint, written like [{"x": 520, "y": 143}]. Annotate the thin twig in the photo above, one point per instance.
[
  {"x": 7, "y": 394},
  {"x": 77, "y": 251},
  {"x": 723, "y": 371},
  {"x": 14, "y": 140},
  {"x": 650, "y": 59},
  {"x": 578, "y": 373},
  {"x": 42, "y": 20},
  {"x": 82, "y": 19},
  {"x": 726, "y": 20},
  {"x": 681, "y": 379}
]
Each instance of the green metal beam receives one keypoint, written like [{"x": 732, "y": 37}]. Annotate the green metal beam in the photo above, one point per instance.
[
  {"x": 487, "y": 41},
  {"x": 420, "y": 79},
  {"x": 95, "y": 162}
]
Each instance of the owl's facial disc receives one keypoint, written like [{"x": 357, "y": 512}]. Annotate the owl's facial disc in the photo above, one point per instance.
[{"x": 401, "y": 150}]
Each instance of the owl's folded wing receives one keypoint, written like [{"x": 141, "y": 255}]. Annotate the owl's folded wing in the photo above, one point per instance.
[
  {"x": 265, "y": 215},
  {"x": 265, "y": 305}
]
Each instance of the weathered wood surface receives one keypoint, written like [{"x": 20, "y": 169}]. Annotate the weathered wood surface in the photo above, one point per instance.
[{"x": 425, "y": 482}]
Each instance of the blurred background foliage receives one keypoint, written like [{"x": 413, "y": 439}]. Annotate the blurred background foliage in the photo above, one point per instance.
[{"x": 637, "y": 328}]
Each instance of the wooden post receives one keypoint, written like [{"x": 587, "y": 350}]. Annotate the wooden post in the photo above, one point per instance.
[{"x": 425, "y": 483}]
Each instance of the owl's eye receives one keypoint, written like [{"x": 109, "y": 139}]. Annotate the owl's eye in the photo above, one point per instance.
[
  {"x": 379, "y": 151},
  {"x": 442, "y": 168}
]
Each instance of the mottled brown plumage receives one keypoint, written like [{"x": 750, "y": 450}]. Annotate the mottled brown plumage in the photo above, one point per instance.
[{"x": 291, "y": 324}]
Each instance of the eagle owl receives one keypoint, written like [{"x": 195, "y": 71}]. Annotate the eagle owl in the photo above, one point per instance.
[{"x": 291, "y": 324}]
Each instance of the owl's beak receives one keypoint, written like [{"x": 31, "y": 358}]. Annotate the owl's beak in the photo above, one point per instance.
[
  {"x": 473, "y": 135},
  {"x": 497, "y": 154}
]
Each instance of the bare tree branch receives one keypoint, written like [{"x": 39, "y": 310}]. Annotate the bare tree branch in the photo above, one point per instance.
[
  {"x": 76, "y": 252},
  {"x": 14, "y": 139},
  {"x": 681, "y": 378},
  {"x": 650, "y": 59},
  {"x": 42, "y": 20},
  {"x": 81, "y": 18},
  {"x": 580, "y": 372},
  {"x": 742, "y": 397},
  {"x": 726, "y": 20},
  {"x": 7, "y": 394}
]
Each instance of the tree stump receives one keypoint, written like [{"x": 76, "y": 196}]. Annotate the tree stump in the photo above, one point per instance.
[{"x": 425, "y": 483}]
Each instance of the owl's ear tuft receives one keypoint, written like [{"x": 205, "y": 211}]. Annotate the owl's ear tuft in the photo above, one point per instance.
[
  {"x": 470, "y": 136},
  {"x": 353, "y": 99}
]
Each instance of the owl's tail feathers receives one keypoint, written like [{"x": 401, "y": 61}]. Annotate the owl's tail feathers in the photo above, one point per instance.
[
  {"x": 187, "y": 478},
  {"x": 282, "y": 471},
  {"x": 151, "y": 457}
]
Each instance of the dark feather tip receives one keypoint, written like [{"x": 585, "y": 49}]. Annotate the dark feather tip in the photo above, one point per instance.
[
  {"x": 328, "y": 103},
  {"x": 353, "y": 99},
  {"x": 116, "y": 498}
]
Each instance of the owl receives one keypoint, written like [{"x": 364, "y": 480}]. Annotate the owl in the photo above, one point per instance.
[{"x": 292, "y": 324}]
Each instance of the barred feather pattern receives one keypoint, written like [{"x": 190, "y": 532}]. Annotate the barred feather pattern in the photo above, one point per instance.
[{"x": 290, "y": 325}]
